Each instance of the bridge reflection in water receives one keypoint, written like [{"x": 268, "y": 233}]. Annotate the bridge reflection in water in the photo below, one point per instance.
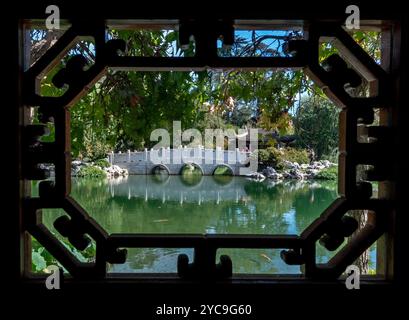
[
  {"x": 204, "y": 205},
  {"x": 180, "y": 188}
]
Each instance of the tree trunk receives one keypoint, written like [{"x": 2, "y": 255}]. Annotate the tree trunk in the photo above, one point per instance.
[
  {"x": 361, "y": 216},
  {"x": 363, "y": 261}
]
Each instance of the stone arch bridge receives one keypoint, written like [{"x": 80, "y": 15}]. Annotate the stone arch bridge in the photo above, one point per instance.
[{"x": 173, "y": 160}]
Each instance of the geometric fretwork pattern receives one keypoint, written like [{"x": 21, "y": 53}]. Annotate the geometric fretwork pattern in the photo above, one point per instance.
[{"x": 330, "y": 228}]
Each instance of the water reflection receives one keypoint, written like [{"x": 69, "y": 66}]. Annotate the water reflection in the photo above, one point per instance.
[
  {"x": 214, "y": 205},
  {"x": 141, "y": 204}
]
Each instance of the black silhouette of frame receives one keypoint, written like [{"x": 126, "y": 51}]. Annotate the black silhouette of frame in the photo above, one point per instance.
[{"x": 333, "y": 225}]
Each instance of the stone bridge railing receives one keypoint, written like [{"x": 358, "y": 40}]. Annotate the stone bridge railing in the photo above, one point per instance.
[{"x": 173, "y": 160}]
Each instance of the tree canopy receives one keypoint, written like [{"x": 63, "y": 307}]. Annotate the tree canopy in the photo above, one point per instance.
[{"x": 123, "y": 108}]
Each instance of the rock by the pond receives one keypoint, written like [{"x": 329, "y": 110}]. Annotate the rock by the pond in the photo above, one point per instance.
[
  {"x": 77, "y": 163},
  {"x": 311, "y": 173},
  {"x": 304, "y": 166},
  {"x": 291, "y": 165},
  {"x": 256, "y": 176},
  {"x": 326, "y": 163},
  {"x": 76, "y": 166},
  {"x": 272, "y": 174},
  {"x": 115, "y": 171},
  {"x": 293, "y": 174}
]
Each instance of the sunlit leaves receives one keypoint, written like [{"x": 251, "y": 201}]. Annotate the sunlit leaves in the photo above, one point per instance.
[{"x": 316, "y": 125}]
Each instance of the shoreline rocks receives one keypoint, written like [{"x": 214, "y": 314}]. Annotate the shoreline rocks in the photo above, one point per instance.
[
  {"x": 295, "y": 171},
  {"x": 292, "y": 170},
  {"x": 256, "y": 176},
  {"x": 113, "y": 171},
  {"x": 271, "y": 173}
]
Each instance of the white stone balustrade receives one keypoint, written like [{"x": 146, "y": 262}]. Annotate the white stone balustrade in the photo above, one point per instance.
[{"x": 143, "y": 162}]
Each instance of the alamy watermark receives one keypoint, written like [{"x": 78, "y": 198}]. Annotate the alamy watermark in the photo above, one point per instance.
[
  {"x": 53, "y": 20},
  {"x": 53, "y": 281},
  {"x": 244, "y": 141},
  {"x": 353, "y": 20},
  {"x": 352, "y": 281},
  {"x": 354, "y": 277}
]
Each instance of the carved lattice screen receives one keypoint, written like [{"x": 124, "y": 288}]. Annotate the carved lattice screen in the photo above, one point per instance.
[{"x": 331, "y": 227}]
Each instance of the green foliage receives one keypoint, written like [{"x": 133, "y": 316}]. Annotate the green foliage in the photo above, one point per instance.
[
  {"x": 189, "y": 169},
  {"x": 332, "y": 155},
  {"x": 38, "y": 262},
  {"x": 223, "y": 171},
  {"x": 274, "y": 157},
  {"x": 271, "y": 156},
  {"x": 91, "y": 172},
  {"x": 191, "y": 175},
  {"x": 330, "y": 173},
  {"x": 370, "y": 41},
  {"x": 41, "y": 258},
  {"x": 295, "y": 155},
  {"x": 122, "y": 109},
  {"x": 316, "y": 125},
  {"x": 103, "y": 163}
]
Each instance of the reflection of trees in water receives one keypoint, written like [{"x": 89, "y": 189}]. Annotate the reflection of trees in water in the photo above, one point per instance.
[
  {"x": 273, "y": 199},
  {"x": 191, "y": 174},
  {"x": 145, "y": 258},
  {"x": 307, "y": 199},
  {"x": 223, "y": 180},
  {"x": 253, "y": 261},
  {"x": 311, "y": 203},
  {"x": 308, "y": 207},
  {"x": 261, "y": 212}
]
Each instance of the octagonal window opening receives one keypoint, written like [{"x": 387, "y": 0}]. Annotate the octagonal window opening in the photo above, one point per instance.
[{"x": 182, "y": 202}]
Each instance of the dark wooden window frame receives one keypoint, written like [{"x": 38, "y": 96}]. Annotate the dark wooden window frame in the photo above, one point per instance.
[{"x": 300, "y": 248}]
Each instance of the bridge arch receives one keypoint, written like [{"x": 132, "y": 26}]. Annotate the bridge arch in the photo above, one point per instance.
[
  {"x": 159, "y": 166},
  {"x": 191, "y": 179},
  {"x": 197, "y": 166},
  {"x": 226, "y": 168}
]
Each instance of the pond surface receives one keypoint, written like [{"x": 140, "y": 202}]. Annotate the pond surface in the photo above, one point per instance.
[{"x": 203, "y": 205}]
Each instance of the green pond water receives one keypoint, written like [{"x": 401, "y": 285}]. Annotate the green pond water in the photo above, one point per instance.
[{"x": 202, "y": 205}]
